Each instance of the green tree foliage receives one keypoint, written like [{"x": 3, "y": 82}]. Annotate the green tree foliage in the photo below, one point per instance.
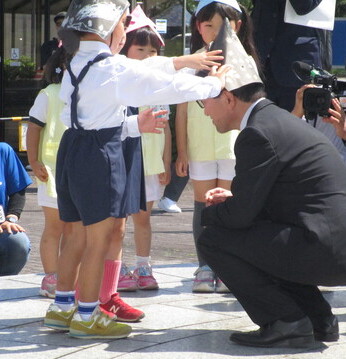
[{"x": 340, "y": 8}]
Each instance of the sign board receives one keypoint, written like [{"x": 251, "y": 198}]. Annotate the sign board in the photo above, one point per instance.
[
  {"x": 14, "y": 53},
  {"x": 161, "y": 26},
  {"x": 22, "y": 129},
  {"x": 322, "y": 17}
]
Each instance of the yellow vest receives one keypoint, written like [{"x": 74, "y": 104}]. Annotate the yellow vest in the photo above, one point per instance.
[
  {"x": 51, "y": 135},
  {"x": 153, "y": 145},
  {"x": 203, "y": 141}
]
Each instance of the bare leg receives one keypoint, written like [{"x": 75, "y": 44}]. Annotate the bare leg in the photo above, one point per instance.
[
  {"x": 224, "y": 184},
  {"x": 50, "y": 239},
  {"x": 142, "y": 231},
  {"x": 115, "y": 247},
  {"x": 71, "y": 254},
  {"x": 98, "y": 239}
]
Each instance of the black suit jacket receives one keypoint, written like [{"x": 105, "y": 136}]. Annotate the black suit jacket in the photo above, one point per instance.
[
  {"x": 288, "y": 173},
  {"x": 279, "y": 44}
]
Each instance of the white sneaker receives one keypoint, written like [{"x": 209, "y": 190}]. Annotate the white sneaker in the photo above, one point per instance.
[
  {"x": 204, "y": 280},
  {"x": 220, "y": 286},
  {"x": 168, "y": 205}
]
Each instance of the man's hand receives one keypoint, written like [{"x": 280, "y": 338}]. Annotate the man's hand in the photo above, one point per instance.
[
  {"x": 298, "y": 109},
  {"x": 337, "y": 119},
  {"x": 10, "y": 227},
  {"x": 217, "y": 195},
  {"x": 150, "y": 122}
]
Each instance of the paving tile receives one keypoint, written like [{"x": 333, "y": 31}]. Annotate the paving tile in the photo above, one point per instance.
[
  {"x": 161, "y": 316},
  {"x": 36, "y": 333},
  {"x": 113, "y": 349},
  {"x": 18, "y": 350},
  {"x": 211, "y": 344},
  {"x": 21, "y": 311},
  {"x": 189, "y": 331},
  {"x": 178, "y": 324}
]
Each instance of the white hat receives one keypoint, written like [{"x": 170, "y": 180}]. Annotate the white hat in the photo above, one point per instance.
[
  {"x": 232, "y": 3},
  {"x": 94, "y": 16},
  {"x": 139, "y": 20},
  {"x": 243, "y": 69}
]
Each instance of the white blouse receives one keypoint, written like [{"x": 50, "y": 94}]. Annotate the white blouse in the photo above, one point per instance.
[{"x": 117, "y": 82}]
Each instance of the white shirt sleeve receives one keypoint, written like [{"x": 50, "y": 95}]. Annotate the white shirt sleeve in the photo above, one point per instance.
[
  {"x": 162, "y": 63},
  {"x": 159, "y": 88},
  {"x": 130, "y": 127},
  {"x": 39, "y": 110}
]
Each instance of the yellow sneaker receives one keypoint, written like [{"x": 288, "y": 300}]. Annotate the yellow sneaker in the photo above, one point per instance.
[
  {"x": 100, "y": 326},
  {"x": 57, "y": 319}
]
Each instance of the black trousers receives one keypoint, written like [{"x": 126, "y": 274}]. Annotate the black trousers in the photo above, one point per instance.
[{"x": 273, "y": 276}]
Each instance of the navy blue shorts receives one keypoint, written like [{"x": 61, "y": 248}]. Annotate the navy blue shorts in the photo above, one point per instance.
[
  {"x": 90, "y": 175},
  {"x": 134, "y": 197}
]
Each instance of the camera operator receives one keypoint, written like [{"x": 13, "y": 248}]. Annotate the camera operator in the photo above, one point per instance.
[{"x": 333, "y": 126}]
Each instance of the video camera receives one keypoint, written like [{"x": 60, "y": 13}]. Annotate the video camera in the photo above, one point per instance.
[{"x": 317, "y": 100}]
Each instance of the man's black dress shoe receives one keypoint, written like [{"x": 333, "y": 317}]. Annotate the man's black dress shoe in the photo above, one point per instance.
[
  {"x": 298, "y": 334},
  {"x": 326, "y": 329}
]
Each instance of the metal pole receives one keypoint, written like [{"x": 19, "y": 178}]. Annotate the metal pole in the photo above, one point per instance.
[
  {"x": 33, "y": 28},
  {"x": 13, "y": 29},
  {"x": 38, "y": 28},
  {"x": 46, "y": 20},
  {"x": 2, "y": 82},
  {"x": 184, "y": 27}
]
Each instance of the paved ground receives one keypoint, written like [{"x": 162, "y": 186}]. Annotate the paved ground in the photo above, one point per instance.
[
  {"x": 178, "y": 324},
  {"x": 172, "y": 234}
]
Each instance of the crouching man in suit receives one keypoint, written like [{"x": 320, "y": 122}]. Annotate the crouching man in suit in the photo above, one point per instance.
[{"x": 281, "y": 230}]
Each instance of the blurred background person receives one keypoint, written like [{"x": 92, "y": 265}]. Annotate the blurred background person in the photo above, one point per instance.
[
  {"x": 14, "y": 243},
  {"x": 279, "y": 44}
]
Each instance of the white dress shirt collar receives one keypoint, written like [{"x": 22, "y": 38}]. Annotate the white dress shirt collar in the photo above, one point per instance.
[
  {"x": 94, "y": 47},
  {"x": 245, "y": 119}
]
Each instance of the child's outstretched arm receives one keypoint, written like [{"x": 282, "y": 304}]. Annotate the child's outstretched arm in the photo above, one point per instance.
[
  {"x": 199, "y": 61},
  {"x": 32, "y": 144}
]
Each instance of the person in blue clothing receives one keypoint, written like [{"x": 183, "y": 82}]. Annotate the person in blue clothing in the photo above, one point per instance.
[
  {"x": 279, "y": 44},
  {"x": 14, "y": 243}
]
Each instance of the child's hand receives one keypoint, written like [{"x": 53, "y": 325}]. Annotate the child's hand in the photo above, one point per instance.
[
  {"x": 149, "y": 121},
  {"x": 182, "y": 165},
  {"x": 220, "y": 73},
  {"x": 164, "y": 178},
  {"x": 337, "y": 119},
  {"x": 199, "y": 61},
  {"x": 40, "y": 171}
]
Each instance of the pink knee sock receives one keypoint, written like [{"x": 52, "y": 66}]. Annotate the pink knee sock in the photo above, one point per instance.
[{"x": 110, "y": 280}]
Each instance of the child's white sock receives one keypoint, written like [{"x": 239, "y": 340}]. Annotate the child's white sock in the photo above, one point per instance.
[
  {"x": 86, "y": 309},
  {"x": 142, "y": 260},
  {"x": 65, "y": 300}
]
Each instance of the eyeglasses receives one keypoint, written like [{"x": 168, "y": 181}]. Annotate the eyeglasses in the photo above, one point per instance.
[
  {"x": 127, "y": 21},
  {"x": 200, "y": 103}
]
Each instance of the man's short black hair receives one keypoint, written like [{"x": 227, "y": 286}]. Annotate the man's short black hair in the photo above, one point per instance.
[{"x": 250, "y": 93}]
